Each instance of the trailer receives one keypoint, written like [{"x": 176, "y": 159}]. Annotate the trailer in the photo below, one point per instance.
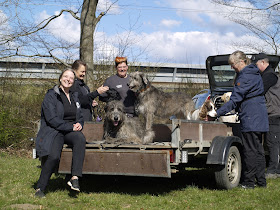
[{"x": 176, "y": 146}]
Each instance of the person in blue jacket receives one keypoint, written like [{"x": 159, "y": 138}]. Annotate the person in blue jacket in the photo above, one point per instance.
[
  {"x": 61, "y": 123},
  {"x": 247, "y": 97}
]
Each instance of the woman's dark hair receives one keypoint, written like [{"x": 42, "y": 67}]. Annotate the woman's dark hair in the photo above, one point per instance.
[
  {"x": 119, "y": 60},
  {"x": 77, "y": 63},
  {"x": 64, "y": 72}
]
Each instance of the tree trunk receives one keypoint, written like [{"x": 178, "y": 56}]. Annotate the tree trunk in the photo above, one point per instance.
[{"x": 88, "y": 24}]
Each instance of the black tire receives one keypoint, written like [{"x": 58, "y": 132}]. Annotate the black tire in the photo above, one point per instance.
[{"x": 228, "y": 176}]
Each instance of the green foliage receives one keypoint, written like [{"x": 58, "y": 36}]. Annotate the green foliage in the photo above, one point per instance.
[
  {"x": 11, "y": 131},
  {"x": 20, "y": 110}
]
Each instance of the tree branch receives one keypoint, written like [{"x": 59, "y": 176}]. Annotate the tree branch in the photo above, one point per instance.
[
  {"x": 104, "y": 13},
  {"x": 229, "y": 4},
  {"x": 39, "y": 27}
]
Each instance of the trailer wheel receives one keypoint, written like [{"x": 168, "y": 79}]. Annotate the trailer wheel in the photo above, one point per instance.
[{"x": 228, "y": 176}]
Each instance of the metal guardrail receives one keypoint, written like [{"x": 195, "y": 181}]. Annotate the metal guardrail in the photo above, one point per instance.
[
  {"x": 41, "y": 70},
  {"x": 54, "y": 74}
]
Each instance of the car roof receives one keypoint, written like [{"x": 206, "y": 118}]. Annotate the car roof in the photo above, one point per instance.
[{"x": 219, "y": 63}]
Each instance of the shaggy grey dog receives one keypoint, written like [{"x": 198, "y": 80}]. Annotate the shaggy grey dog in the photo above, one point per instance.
[
  {"x": 118, "y": 128},
  {"x": 154, "y": 102}
]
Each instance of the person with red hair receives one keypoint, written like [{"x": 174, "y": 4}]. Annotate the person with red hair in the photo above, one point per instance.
[{"x": 119, "y": 82}]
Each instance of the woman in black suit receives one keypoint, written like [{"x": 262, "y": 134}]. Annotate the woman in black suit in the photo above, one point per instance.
[{"x": 61, "y": 123}]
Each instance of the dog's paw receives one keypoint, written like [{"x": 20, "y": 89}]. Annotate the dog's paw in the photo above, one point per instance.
[{"x": 109, "y": 140}]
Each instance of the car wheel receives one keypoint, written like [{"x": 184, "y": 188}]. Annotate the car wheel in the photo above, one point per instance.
[{"x": 228, "y": 176}]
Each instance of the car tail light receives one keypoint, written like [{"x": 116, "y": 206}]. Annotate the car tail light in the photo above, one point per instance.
[{"x": 172, "y": 156}]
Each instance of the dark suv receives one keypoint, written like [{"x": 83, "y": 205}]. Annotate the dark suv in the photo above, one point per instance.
[{"x": 221, "y": 78}]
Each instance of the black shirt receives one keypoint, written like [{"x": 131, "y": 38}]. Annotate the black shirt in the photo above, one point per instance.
[{"x": 70, "y": 109}]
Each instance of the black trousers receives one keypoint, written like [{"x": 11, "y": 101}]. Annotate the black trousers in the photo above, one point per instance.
[
  {"x": 272, "y": 140},
  {"x": 77, "y": 140},
  {"x": 254, "y": 159}
]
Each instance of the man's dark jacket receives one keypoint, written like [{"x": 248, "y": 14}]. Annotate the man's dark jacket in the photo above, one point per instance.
[
  {"x": 247, "y": 97},
  {"x": 271, "y": 84},
  {"x": 52, "y": 113}
]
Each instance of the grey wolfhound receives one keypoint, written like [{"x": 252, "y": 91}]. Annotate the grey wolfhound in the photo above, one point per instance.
[
  {"x": 118, "y": 128},
  {"x": 154, "y": 102}
]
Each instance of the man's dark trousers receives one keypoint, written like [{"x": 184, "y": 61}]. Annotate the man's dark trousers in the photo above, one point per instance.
[{"x": 273, "y": 144}]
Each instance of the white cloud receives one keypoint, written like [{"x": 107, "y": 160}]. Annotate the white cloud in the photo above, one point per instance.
[
  {"x": 200, "y": 11},
  {"x": 216, "y": 36},
  {"x": 190, "y": 47},
  {"x": 213, "y": 17},
  {"x": 104, "y": 47},
  {"x": 170, "y": 23},
  {"x": 65, "y": 27},
  {"x": 104, "y": 5},
  {"x": 4, "y": 26}
]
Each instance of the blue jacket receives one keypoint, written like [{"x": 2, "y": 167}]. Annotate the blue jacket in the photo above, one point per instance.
[
  {"x": 247, "y": 98},
  {"x": 52, "y": 113}
]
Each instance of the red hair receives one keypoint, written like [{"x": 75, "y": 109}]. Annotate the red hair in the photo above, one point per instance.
[{"x": 119, "y": 60}]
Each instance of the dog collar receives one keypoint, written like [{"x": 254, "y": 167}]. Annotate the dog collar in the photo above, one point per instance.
[{"x": 144, "y": 89}]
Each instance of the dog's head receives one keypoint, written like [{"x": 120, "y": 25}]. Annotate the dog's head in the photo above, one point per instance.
[
  {"x": 115, "y": 112},
  {"x": 113, "y": 94},
  {"x": 225, "y": 98},
  {"x": 208, "y": 111},
  {"x": 138, "y": 81}
]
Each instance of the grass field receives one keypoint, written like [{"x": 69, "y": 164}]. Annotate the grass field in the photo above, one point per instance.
[{"x": 193, "y": 189}]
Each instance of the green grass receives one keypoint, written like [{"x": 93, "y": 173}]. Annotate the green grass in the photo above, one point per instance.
[{"x": 194, "y": 189}]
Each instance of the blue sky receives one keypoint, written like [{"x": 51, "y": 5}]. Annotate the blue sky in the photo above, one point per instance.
[{"x": 169, "y": 31}]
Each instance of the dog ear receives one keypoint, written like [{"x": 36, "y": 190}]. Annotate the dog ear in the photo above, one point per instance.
[
  {"x": 203, "y": 112},
  {"x": 144, "y": 78},
  {"x": 208, "y": 105}
]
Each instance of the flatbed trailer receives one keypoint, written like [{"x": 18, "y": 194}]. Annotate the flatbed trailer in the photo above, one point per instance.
[{"x": 176, "y": 146}]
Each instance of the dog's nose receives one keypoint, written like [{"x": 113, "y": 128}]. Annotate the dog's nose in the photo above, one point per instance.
[{"x": 116, "y": 118}]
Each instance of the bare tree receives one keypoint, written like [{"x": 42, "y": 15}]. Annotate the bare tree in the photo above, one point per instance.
[
  {"x": 261, "y": 18},
  {"x": 88, "y": 24},
  {"x": 23, "y": 37}
]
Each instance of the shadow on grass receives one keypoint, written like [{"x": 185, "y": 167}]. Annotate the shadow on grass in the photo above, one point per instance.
[
  {"x": 199, "y": 178},
  {"x": 142, "y": 185}
]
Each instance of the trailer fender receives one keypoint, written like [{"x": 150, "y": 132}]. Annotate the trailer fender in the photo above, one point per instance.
[{"x": 219, "y": 149}]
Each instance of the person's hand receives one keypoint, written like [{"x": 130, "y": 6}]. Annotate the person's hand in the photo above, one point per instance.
[
  {"x": 102, "y": 89},
  {"x": 77, "y": 127},
  {"x": 94, "y": 103}
]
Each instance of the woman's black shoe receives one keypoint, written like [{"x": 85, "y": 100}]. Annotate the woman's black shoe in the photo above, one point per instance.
[{"x": 39, "y": 193}]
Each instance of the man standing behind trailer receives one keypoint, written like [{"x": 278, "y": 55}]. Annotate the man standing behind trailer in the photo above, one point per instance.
[{"x": 271, "y": 85}]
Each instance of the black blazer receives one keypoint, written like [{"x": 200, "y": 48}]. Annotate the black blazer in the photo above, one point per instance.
[{"x": 52, "y": 113}]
